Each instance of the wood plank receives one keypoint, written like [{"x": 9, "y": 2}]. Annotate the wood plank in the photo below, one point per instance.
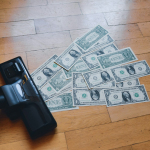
[
  {"x": 125, "y": 17},
  {"x": 7, "y": 57},
  {"x": 44, "y": 55},
  {"x": 119, "y": 32},
  {"x": 17, "y": 28},
  {"x": 106, "y": 6},
  {"x": 109, "y": 136},
  {"x": 81, "y": 118},
  {"x": 144, "y": 27},
  {"x": 66, "y": 121},
  {"x": 53, "y": 142},
  {"x": 139, "y": 45},
  {"x": 34, "y": 42},
  {"x": 69, "y": 23},
  {"x": 141, "y": 146},
  {"x": 21, "y": 3},
  {"x": 129, "y": 111},
  {"x": 123, "y": 148},
  {"x": 17, "y": 14}
]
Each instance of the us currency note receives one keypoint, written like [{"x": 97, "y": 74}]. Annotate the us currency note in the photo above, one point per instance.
[
  {"x": 129, "y": 83},
  {"x": 48, "y": 92},
  {"x": 58, "y": 82},
  {"x": 123, "y": 56},
  {"x": 91, "y": 59},
  {"x": 121, "y": 96},
  {"x": 69, "y": 57},
  {"x": 78, "y": 81},
  {"x": 90, "y": 38},
  {"x": 111, "y": 84},
  {"x": 131, "y": 71},
  {"x": 45, "y": 72},
  {"x": 85, "y": 97},
  {"x": 79, "y": 66},
  {"x": 97, "y": 77},
  {"x": 62, "y": 102}
]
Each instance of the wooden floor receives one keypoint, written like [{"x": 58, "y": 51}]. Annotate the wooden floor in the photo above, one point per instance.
[{"x": 37, "y": 29}]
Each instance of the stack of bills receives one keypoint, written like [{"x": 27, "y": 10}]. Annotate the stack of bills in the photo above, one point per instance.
[{"x": 91, "y": 71}]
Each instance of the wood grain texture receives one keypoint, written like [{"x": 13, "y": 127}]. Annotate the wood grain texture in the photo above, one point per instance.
[
  {"x": 141, "y": 146},
  {"x": 34, "y": 42},
  {"x": 123, "y": 148},
  {"x": 139, "y": 45},
  {"x": 53, "y": 142},
  {"x": 81, "y": 118},
  {"x": 69, "y": 23},
  {"x": 17, "y": 14},
  {"x": 125, "y": 17},
  {"x": 21, "y": 3},
  {"x": 17, "y": 28},
  {"x": 44, "y": 55},
  {"x": 145, "y": 28},
  {"x": 119, "y": 32},
  {"x": 106, "y": 6},
  {"x": 109, "y": 136}
]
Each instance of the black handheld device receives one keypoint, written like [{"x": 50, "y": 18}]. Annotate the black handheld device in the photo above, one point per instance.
[{"x": 20, "y": 97}]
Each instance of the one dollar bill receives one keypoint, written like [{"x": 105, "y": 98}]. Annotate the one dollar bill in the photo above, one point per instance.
[
  {"x": 123, "y": 56},
  {"x": 131, "y": 71},
  {"x": 121, "y": 96},
  {"x": 91, "y": 59},
  {"x": 45, "y": 72},
  {"x": 85, "y": 97},
  {"x": 61, "y": 103},
  {"x": 97, "y": 77}
]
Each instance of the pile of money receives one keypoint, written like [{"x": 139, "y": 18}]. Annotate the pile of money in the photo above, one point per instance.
[{"x": 91, "y": 71}]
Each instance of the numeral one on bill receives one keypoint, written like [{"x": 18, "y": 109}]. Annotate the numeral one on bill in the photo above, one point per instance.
[{"x": 122, "y": 96}]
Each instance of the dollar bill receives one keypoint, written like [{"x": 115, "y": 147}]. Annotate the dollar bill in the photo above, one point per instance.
[
  {"x": 45, "y": 72},
  {"x": 48, "y": 92},
  {"x": 111, "y": 84},
  {"x": 58, "y": 82},
  {"x": 131, "y": 71},
  {"x": 123, "y": 56},
  {"x": 79, "y": 66},
  {"x": 61, "y": 103},
  {"x": 106, "y": 40},
  {"x": 78, "y": 81},
  {"x": 91, "y": 59},
  {"x": 90, "y": 38},
  {"x": 121, "y": 96},
  {"x": 129, "y": 83},
  {"x": 69, "y": 57},
  {"x": 97, "y": 77},
  {"x": 85, "y": 97}
]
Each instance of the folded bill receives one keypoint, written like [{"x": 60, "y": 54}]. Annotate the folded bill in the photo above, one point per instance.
[
  {"x": 79, "y": 66},
  {"x": 131, "y": 71},
  {"x": 121, "y": 96},
  {"x": 45, "y": 72},
  {"x": 61, "y": 103},
  {"x": 85, "y": 97},
  {"x": 78, "y": 81},
  {"x": 91, "y": 58},
  {"x": 129, "y": 83},
  {"x": 97, "y": 77},
  {"x": 89, "y": 39},
  {"x": 69, "y": 57},
  {"x": 123, "y": 56}
]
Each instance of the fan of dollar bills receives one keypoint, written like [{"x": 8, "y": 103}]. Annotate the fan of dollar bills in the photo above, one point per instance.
[{"x": 91, "y": 71}]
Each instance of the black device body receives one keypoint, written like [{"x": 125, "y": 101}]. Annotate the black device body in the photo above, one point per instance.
[{"x": 20, "y": 97}]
